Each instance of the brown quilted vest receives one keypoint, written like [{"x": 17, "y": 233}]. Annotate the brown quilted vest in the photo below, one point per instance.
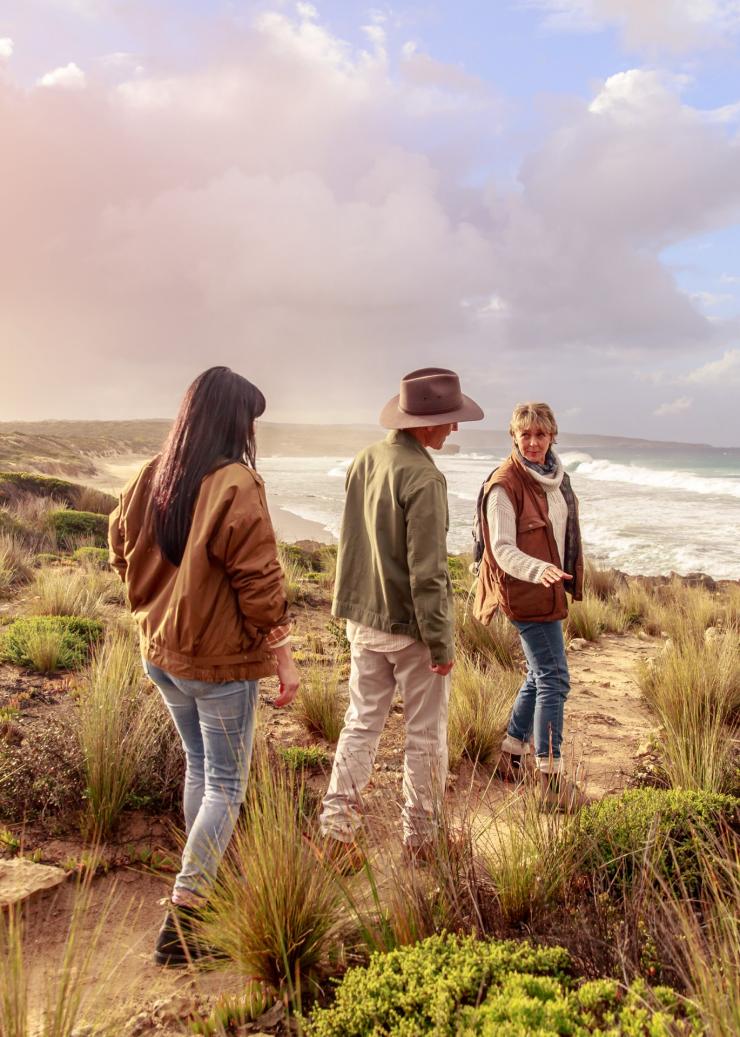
[{"x": 521, "y": 600}]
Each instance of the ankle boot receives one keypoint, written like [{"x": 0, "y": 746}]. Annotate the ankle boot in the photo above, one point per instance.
[
  {"x": 177, "y": 944},
  {"x": 560, "y": 794}
]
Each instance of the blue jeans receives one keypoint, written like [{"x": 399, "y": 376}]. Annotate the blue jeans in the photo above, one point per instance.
[
  {"x": 539, "y": 706},
  {"x": 216, "y": 724}
]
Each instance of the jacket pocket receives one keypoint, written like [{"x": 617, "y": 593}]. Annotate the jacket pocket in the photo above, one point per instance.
[{"x": 528, "y": 600}]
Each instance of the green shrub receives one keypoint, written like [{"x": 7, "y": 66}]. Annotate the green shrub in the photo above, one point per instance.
[
  {"x": 299, "y": 757},
  {"x": 37, "y": 486},
  {"x": 460, "y": 574},
  {"x": 97, "y": 556},
  {"x": 541, "y": 1005},
  {"x": 452, "y": 986},
  {"x": 46, "y": 558},
  {"x": 68, "y": 525},
  {"x": 664, "y": 828},
  {"x": 48, "y": 643}
]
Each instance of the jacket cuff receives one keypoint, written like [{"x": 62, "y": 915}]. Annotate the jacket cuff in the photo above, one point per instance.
[{"x": 278, "y": 636}]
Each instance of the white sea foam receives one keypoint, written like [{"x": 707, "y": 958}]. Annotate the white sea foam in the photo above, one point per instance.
[{"x": 667, "y": 479}]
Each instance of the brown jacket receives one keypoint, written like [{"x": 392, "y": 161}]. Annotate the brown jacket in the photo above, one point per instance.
[
  {"x": 207, "y": 618},
  {"x": 521, "y": 600}
]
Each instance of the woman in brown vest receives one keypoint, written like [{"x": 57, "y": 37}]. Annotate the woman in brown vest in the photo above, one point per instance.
[{"x": 532, "y": 553}]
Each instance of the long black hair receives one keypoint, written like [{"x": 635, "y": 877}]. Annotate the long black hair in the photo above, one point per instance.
[{"x": 214, "y": 426}]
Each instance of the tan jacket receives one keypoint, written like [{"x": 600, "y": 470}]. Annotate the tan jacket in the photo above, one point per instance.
[
  {"x": 206, "y": 619},
  {"x": 519, "y": 599}
]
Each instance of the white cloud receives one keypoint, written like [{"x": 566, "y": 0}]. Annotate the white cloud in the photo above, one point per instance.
[
  {"x": 710, "y": 299},
  {"x": 725, "y": 371},
  {"x": 676, "y": 26},
  {"x": 69, "y": 77},
  {"x": 6, "y": 48},
  {"x": 730, "y": 279},
  {"x": 677, "y": 406}
]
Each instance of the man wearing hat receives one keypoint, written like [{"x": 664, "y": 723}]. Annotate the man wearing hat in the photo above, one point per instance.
[{"x": 393, "y": 588}]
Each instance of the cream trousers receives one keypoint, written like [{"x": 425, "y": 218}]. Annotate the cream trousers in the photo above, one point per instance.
[{"x": 374, "y": 677}]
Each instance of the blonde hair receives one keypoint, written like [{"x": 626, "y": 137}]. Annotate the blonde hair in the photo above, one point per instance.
[{"x": 525, "y": 415}]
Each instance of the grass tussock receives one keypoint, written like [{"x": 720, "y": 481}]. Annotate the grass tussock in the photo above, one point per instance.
[
  {"x": 593, "y": 616},
  {"x": 496, "y": 643},
  {"x": 87, "y": 591},
  {"x": 602, "y": 583},
  {"x": 319, "y": 705},
  {"x": 277, "y": 911},
  {"x": 16, "y": 563},
  {"x": 120, "y": 723},
  {"x": 293, "y": 572},
  {"x": 695, "y": 691},
  {"x": 480, "y": 704}
]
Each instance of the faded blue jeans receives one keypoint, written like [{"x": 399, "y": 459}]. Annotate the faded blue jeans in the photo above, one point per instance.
[
  {"x": 539, "y": 706},
  {"x": 216, "y": 724}
]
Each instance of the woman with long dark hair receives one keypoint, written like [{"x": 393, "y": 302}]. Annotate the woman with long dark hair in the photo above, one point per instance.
[{"x": 192, "y": 540}]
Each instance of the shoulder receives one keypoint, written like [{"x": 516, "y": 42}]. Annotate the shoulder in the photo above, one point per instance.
[{"x": 232, "y": 479}]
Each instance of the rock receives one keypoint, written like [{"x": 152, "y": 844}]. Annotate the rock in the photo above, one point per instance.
[
  {"x": 712, "y": 634},
  {"x": 579, "y": 643},
  {"x": 21, "y": 878}
]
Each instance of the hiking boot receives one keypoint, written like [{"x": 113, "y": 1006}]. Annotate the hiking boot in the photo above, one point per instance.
[
  {"x": 561, "y": 795},
  {"x": 177, "y": 944},
  {"x": 347, "y": 858},
  {"x": 512, "y": 767}
]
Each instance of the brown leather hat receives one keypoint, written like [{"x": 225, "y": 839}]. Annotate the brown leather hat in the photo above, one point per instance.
[{"x": 429, "y": 396}]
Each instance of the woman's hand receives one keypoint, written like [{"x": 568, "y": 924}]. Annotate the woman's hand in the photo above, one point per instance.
[
  {"x": 288, "y": 676},
  {"x": 553, "y": 575}
]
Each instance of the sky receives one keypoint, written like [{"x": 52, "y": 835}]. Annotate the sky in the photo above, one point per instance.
[{"x": 541, "y": 194}]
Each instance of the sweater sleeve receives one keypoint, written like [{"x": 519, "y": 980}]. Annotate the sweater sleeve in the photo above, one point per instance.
[
  {"x": 502, "y": 530},
  {"x": 426, "y": 546},
  {"x": 245, "y": 545}
]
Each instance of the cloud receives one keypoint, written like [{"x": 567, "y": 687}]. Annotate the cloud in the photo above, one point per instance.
[
  {"x": 315, "y": 214},
  {"x": 69, "y": 77},
  {"x": 6, "y": 48},
  {"x": 675, "y": 26},
  {"x": 725, "y": 371},
  {"x": 677, "y": 406}
]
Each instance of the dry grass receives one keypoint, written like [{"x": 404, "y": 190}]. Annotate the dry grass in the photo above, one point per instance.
[
  {"x": 16, "y": 563},
  {"x": 480, "y": 704},
  {"x": 496, "y": 643},
  {"x": 593, "y": 616},
  {"x": 319, "y": 705},
  {"x": 121, "y": 721},
  {"x": 277, "y": 911},
  {"x": 85, "y": 591},
  {"x": 603, "y": 583},
  {"x": 293, "y": 573},
  {"x": 695, "y": 690}
]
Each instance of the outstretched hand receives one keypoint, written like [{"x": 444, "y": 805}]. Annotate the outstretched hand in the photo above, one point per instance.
[{"x": 553, "y": 575}]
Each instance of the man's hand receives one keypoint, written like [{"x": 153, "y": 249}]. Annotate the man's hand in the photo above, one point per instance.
[
  {"x": 553, "y": 575},
  {"x": 442, "y": 668},
  {"x": 288, "y": 675}
]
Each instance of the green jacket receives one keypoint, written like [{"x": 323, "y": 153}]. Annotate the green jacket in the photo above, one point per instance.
[{"x": 392, "y": 563}]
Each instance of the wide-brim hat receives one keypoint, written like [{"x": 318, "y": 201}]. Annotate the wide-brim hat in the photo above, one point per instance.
[{"x": 429, "y": 396}]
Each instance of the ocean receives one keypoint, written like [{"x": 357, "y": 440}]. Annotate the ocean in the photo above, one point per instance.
[{"x": 652, "y": 510}]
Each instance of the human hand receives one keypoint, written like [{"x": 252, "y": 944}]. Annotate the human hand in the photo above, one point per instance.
[
  {"x": 442, "y": 668},
  {"x": 287, "y": 675},
  {"x": 553, "y": 575}
]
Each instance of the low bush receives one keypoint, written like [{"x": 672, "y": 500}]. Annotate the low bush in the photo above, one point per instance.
[
  {"x": 480, "y": 704},
  {"x": 450, "y": 985},
  {"x": 11, "y": 483},
  {"x": 496, "y": 643},
  {"x": 42, "y": 777},
  {"x": 662, "y": 829},
  {"x": 460, "y": 574},
  {"x": 49, "y": 643},
  {"x": 304, "y": 758},
  {"x": 68, "y": 525},
  {"x": 96, "y": 556},
  {"x": 318, "y": 704}
]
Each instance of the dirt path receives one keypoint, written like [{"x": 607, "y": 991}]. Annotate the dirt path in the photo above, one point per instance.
[{"x": 606, "y": 722}]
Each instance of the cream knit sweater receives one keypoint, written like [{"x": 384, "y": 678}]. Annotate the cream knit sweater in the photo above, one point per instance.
[{"x": 502, "y": 527}]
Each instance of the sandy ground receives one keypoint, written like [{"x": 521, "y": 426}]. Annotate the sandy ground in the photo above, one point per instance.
[{"x": 606, "y": 725}]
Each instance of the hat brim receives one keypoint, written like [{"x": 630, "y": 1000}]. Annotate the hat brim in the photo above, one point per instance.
[{"x": 392, "y": 416}]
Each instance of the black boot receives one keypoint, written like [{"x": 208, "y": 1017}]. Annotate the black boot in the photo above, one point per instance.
[{"x": 177, "y": 944}]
